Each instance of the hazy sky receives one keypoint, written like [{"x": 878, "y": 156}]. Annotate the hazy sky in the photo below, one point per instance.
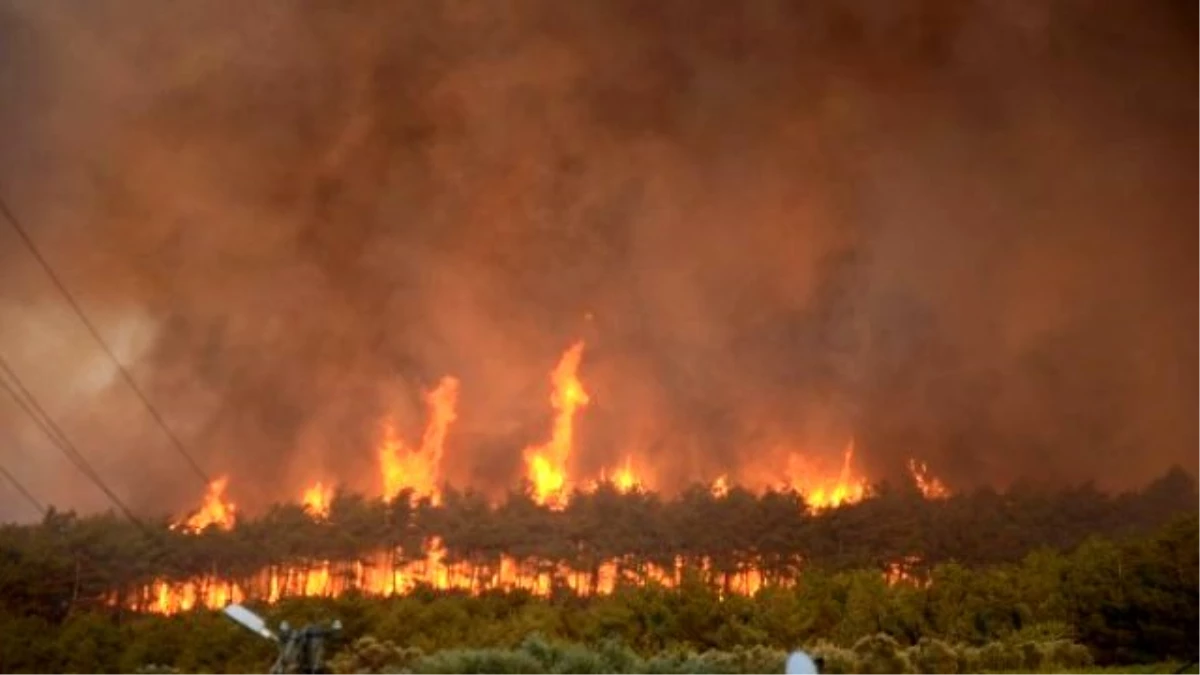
[{"x": 957, "y": 230}]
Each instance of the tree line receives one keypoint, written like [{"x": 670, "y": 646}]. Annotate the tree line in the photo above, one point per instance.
[
  {"x": 67, "y": 562},
  {"x": 1122, "y": 600}
]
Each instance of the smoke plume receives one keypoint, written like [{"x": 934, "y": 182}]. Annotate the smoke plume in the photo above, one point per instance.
[{"x": 957, "y": 231}]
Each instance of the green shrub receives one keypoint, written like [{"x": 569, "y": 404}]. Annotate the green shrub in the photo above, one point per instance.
[
  {"x": 833, "y": 659},
  {"x": 617, "y": 657},
  {"x": 933, "y": 656},
  {"x": 500, "y": 661},
  {"x": 880, "y": 653},
  {"x": 998, "y": 657},
  {"x": 1033, "y": 655},
  {"x": 670, "y": 661},
  {"x": 369, "y": 655},
  {"x": 1066, "y": 654}
]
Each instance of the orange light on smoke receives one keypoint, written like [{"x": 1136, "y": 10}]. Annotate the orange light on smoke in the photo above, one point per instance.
[{"x": 546, "y": 464}]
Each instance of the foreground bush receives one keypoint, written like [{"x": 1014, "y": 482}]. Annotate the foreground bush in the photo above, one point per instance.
[{"x": 878, "y": 653}]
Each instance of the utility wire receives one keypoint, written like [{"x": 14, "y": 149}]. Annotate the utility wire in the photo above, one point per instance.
[
  {"x": 16, "y": 225},
  {"x": 21, "y": 488},
  {"x": 44, "y": 422}
]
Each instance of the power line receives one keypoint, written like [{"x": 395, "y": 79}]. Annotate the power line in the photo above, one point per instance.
[
  {"x": 21, "y": 488},
  {"x": 44, "y": 422},
  {"x": 16, "y": 225}
]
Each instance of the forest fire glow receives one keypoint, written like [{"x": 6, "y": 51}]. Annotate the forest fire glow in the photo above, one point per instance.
[
  {"x": 546, "y": 464},
  {"x": 215, "y": 510},
  {"x": 624, "y": 478},
  {"x": 386, "y": 574},
  {"x": 846, "y": 488},
  {"x": 316, "y": 500},
  {"x": 419, "y": 469},
  {"x": 928, "y": 484},
  {"x": 720, "y": 486}
]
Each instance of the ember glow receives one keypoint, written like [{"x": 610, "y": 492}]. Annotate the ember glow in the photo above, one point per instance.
[
  {"x": 821, "y": 492},
  {"x": 316, "y": 500},
  {"x": 624, "y": 478},
  {"x": 216, "y": 510},
  {"x": 720, "y": 486},
  {"x": 390, "y": 573},
  {"x": 397, "y": 571},
  {"x": 902, "y": 572},
  {"x": 384, "y": 575},
  {"x": 929, "y": 485},
  {"x": 419, "y": 469},
  {"x": 546, "y": 464}
]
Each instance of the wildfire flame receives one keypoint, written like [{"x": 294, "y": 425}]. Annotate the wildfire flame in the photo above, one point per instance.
[
  {"x": 720, "y": 486},
  {"x": 824, "y": 493},
  {"x": 901, "y": 572},
  {"x": 928, "y": 484},
  {"x": 383, "y": 575},
  {"x": 316, "y": 500},
  {"x": 419, "y": 469},
  {"x": 216, "y": 510},
  {"x": 546, "y": 464},
  {"x": 624, "y": 478}
]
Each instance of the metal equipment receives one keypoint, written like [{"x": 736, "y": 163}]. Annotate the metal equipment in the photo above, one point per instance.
[{"x": 300, "y": 651}]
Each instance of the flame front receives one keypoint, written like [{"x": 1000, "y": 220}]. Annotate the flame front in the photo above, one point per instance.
[
  {"x": 397, "y": 571},
  {"x": 419, "y": 469},
  {"x": 546, "y": 464},
  {"x": 216, "y": 510},
  {"x": 720, "y": 486},
  {"x": 624, "y": 479},
  {"x": 390, "y": 573},
  {"x": 928, "y": 484},
  {"x": 316, "y": 500},
  {"x": 824, "y": 493}
]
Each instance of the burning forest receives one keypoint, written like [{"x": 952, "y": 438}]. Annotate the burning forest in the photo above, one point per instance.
[
  {"x": 410, "y": 478},
  {"x": 576, "y": 300}
]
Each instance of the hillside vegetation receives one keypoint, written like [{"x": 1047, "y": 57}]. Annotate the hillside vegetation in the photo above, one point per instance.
[{"x": 994, "y": 595}]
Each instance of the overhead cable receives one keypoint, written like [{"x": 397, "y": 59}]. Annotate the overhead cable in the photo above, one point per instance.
[{"x": 12, "y": 220}]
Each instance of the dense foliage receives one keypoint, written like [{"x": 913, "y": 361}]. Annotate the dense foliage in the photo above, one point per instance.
[
  {"x": 871, "y": 654},
  {"x": 1015, "y": 569}
]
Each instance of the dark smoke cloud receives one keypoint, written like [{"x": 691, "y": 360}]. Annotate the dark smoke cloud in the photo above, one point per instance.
[{"x": 958, "y": 231}]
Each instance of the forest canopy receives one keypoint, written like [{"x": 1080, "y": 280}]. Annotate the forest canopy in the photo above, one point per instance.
[{"x": 1116, "y": 572}]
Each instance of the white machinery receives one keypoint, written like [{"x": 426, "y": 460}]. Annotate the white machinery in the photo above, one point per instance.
[
  {"x": 300, "y": 651},
  {"x": 799, "y": 663}
]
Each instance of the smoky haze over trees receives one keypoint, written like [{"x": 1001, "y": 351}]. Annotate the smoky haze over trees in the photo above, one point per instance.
[{"x": 961, "y": 231}]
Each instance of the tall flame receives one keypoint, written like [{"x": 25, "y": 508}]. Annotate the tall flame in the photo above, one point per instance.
[
  {"x": 418, "y": 469},
  {"x": 546, "y": 464},
  {"x": 929, "y": 485},
  {"x": 316, "y": 500},
  {"x": 216, "y": 510},
  {"x": 821, "y": 493}
]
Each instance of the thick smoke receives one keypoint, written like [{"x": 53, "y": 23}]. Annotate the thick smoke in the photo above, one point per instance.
[{"x": 957, "y": 231}]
